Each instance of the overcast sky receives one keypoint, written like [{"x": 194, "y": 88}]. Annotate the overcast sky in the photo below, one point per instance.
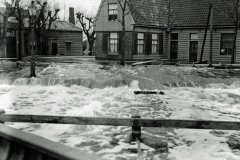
[{"x": 90, "y": 5}]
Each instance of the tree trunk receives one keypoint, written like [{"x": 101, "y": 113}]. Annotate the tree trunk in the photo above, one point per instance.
[
  {"x": 123, "y": 40},
  {"x": 2, "y": 48},
  {"x": 3, "y": 40},
  {"x": 20, "y": 42},
  {"x": 234, "y": 46},
  {"x": 90, "y": 48}
]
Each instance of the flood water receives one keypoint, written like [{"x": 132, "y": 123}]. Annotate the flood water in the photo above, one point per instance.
[{"x": 95, "y": 90}]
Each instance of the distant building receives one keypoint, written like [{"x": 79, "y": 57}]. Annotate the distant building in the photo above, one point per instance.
[
  {"x": 65, "y": 39},
  {"x": 152, "y": 34}
]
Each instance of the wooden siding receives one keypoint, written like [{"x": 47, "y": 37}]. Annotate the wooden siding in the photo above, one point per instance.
[
  {"x": 62, "y": 37},
  {"x": 76, "y": 43},
  {"x": 184, "y": 39},
  {"x": 102, "y": 23}
]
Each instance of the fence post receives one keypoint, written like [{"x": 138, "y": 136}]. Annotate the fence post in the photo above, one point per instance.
[
  {"x": 136, "y": 135},
  {"x": 136, "y": 129},
  {"x": 2, "y": 112}
]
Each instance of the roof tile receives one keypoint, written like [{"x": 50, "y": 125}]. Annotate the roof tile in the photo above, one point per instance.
[{"x": 182, "y": 12}]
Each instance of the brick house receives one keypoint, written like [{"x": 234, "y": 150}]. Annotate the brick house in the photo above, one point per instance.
[{"x": 164, "y": 29}]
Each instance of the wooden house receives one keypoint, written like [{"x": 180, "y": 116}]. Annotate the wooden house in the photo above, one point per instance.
[
  {"x": 164, "y": 29},
  {"x": 65, "y": 38}
]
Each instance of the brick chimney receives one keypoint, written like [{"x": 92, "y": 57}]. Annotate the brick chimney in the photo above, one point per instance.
[{"x": 71, "y": 15}]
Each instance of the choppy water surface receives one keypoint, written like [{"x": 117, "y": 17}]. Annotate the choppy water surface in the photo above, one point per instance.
[{"x": 107, "y": 91}]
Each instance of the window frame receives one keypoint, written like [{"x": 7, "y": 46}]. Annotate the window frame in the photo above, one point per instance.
[
  {"x": 221, "y": 44},
  {"x": 116, "y": 15},
  {"x": 143, "y": 44},
  {"x": 191, "y": 39},
  {"x": 115, "y": 44},
  {"x": 68, "y": 46},
  {"x": 154, "y": 40}
]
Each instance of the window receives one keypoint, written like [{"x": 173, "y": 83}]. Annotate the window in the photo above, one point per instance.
[
  {"x": 113, "y": 42},
  {"x": 68, "y": 46},
  {"x": 227, "y": 40},
  {"x": 140, "y": 42},
  {"x": 11, "y": 32},
  {"x": 154, "y": 43},
  {"x": 174, "y": 36},
  {"x": 112, "y": 12},
  {"x": 194, "y": 36},
  {"x": 34, "y": 46}
]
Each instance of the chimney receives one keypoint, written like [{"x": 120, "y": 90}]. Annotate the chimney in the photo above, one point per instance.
[{"x": 71, "y": 15}]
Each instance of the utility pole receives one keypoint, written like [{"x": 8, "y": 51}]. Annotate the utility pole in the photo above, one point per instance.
[{"x": 211, "y": 35}]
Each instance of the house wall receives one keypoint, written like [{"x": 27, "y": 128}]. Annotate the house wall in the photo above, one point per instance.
[
  {"x": 61, "y": 37},
  {"x": 184, "y": 41},
  {"x": 76, "y": 43},
  {"x": 102, "y": 23},
  {"x": 128, "y": 47},
  {"x": 156, "y": 55}
]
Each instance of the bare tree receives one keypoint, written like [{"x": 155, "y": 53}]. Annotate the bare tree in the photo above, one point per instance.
[
  {"x": 124, "y": 11},
  {"x": 232, "y": 9},
  {"x": 86, "y": 21},
  {"x": 20, "y": 14},
  {"x": 43, "y": 25}
]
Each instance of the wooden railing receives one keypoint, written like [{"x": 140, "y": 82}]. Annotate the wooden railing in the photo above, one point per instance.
[
  {"x": 142, "y": 122},
  {"x": 44, "y": 147},
  {"x": 19, "y": 145}
]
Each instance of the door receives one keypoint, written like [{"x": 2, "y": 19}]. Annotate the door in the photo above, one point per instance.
[
  {"x": 54, "y": 49},
  {"x": 11, "y": 47},
  {"x": 44, "y": 48},
  {"x": 174, "y": 50},
  {"x": 193, "y": 51}
]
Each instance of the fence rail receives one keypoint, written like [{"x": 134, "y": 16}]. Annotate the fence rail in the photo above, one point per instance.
[
  {"x": 16, "y": 144},
  {"x": 142, "y": 122}
]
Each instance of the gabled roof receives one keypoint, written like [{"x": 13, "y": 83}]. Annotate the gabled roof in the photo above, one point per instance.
[
  {"x": 59, "y": 26},
  {"x": 184, "y": 13},
  {"x": 64, "y": 26}
]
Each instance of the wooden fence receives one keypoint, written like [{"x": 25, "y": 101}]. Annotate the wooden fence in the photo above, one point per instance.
[
  {"x": 142, "y": 122},
  {"x": 45, "y": 149}
]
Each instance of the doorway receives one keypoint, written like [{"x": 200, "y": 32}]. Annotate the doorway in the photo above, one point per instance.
[
  {"x": 193, "y": 51},
  {"x": 54, "y": 48},
  {"x": 174, "y": 50},
  {"x": 174, "y": 46},
  {"x": 11, "y": 47}
]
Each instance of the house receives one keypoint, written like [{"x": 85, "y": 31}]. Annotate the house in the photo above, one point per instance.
[
  {"x": 8, "y": 43},
  {"x": 164, "y": 29},
  {"x": 65, "y": 38}
]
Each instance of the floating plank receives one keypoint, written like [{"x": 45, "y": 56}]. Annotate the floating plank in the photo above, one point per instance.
[
  {"x": 142, "y": 63},
  {"x": 167, "y": 123},
  {"x": 49, "y": 149},
  {"x": 149, "y": 92}
]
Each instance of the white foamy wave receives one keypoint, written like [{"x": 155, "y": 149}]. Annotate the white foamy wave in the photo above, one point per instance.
[
  {"x": 91, "y": 110},
  {"x": 134, "y": 84}
]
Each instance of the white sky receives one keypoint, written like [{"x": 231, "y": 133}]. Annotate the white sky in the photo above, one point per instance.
[{"x": 90, "y": 5}]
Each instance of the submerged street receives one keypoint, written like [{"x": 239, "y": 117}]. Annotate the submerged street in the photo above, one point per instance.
[{"x": 96, "y": 90}]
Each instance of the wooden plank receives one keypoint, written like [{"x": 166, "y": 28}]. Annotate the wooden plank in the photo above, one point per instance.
[
  {"x": 4, "y": 148},
  {"x": 149, "y": 92},
  {"x": 45, "y": 146},
  {"x": 143, "y": 63},
  {"x": 167, "y": 123}
]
